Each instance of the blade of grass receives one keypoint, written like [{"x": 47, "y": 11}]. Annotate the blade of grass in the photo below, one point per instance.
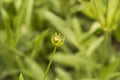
[
  {"x": 29, "y": 11},
  {"x": 105, "y": 72},
  {"x": 62, "y": 74},
  {"x": 7, "y": 25},
  {"x": 94, "y": 45},
  {"x": 99, "y": 15},
  {"x": 18, "y": 20},
  {"x": 113, "y": 8},
  {"x": 38, "y": 43}
]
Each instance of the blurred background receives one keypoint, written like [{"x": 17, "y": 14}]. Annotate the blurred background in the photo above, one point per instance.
[{"x": 91, "y": 50}]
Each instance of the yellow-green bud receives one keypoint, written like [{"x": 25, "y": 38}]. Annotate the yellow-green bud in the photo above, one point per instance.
[{"x": 57, "y": 39}]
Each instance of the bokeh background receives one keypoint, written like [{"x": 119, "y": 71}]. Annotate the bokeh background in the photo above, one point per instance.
[{"x": 91, "y": 50}]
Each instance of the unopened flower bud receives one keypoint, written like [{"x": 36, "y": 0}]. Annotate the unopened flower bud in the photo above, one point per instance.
[{"x": 57, "y": 39}]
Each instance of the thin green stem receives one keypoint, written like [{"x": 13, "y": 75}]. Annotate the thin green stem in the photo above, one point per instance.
[
  {"x": 51, "y": 59},
  {"x": 106, "y": 46}
]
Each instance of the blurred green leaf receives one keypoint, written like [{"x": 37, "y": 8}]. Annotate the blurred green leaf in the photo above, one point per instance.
[
  {"x": 38, "y": 43},
  {"x": 99, "y": 10},
  {"x": 29, "y": 12},
  {"x": 18, "y": 21},
  {"x": 107, "y": 71},
  {"x": 74, "y": 60},
  {"x": 94, "y": 45},
  {"x": 21, "y": 77},
  {"x": 62, "y": 74},
  {"x": 77, "y": 28},
  {"x": 6, "y": 21},
  {"x": 17, "y": 4},
  {"x": 82, "y": 8},
  {"x": 94, "y": 27},
  {"x": 117, "y": 33},
  {"x": 112, "y": 10},
  {"x": 34, "y": 69},
  {"x": 68, "y": 60}
]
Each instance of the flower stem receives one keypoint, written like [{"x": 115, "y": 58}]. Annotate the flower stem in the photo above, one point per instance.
[
  {"x": 51, "y": 59},
  {"x": 107, "y": 43}
]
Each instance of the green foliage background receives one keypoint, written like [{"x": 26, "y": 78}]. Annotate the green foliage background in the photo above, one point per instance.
[{"x": 92, "y": 39}]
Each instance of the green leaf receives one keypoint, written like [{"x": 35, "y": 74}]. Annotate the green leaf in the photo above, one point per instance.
[
  {"x": 74, "y": 60},
  {"x": 38, "y": 43},
  {"x": 20, "y": 15},
  {"x": 112, "y": 10},
  {"x": 62, "y": 74},
  {"x": 85, "y": 10},
  {"x": 94, "y": 45},
  {"x": 17, "y": 4},
  {"x": 34, "y": 69},
  {"x": 108, "y": 70},
  {"x": 98, "y": 9},
  {"x": 18, "y": 21},
  {"x": 68, "y": 60},
  {"x": 6, "y": 21},
  {"x": 21, "y": 77},
  {"x": 29, "y": 11},
  {"x": 77, "y": 28},
  {"x": 95, "y": 26},
  {"x": 114, "y": 75}
]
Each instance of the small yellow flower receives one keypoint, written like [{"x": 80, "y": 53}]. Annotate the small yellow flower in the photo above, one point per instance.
[{"x": 57, "y": 39}]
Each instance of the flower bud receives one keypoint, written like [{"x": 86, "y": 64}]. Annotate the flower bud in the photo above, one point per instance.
[{"x": 57, "y": 39}]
